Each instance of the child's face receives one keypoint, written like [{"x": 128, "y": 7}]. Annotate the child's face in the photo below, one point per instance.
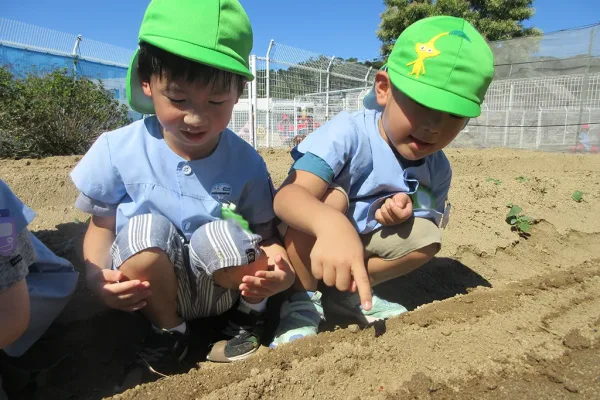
[
  {"x": 415, "y": 131},
  {"x": 192, "y": 115}
]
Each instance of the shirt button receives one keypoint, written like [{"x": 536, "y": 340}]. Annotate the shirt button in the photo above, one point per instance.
[
  {"x": 187, "y": 170},
  {"x": 187, "y": 226}
]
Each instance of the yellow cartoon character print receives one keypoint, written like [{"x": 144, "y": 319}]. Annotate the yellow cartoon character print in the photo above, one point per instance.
[{"x": 428, "y": 50}]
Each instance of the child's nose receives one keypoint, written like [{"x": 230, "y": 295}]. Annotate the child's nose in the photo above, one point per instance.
[{"x": 195, "y": 119}]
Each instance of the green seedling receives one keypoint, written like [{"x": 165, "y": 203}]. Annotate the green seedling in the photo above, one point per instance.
[
  {"x": 229, "y": 214},
  {"x": 521, "y": 179},
  {"x": 520, "y": 222},
  {"x": 577, "y": 196},
  {"x": 494, "y": 181}
]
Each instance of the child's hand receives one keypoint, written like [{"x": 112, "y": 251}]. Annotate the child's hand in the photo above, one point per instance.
[
  {"x": 116, "y": 293},
  {"x": 338, "y": 259},
  {"x": 395, "y": 210},
  {"x": 267, "y": 283}
]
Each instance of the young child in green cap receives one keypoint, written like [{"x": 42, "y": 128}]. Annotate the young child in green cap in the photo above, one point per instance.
[
  {"x": 158, "y": 191},
  {"x": 367, "y": 191}
]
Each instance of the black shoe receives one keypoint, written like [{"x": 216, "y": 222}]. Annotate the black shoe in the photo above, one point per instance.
[
  {"x": 162, "y": 355},
  {"x": 245, "y": 327}
]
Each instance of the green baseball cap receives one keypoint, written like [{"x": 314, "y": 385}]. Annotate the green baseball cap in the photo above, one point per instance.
[
  {"x": 211, "y": 32},
  {"x": 442, "y": 63}
]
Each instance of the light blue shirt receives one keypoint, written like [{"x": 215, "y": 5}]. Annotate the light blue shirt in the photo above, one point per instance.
[
  {"x": 51, "y": 279},
  {"x": 132, "y": 171},
  {"x": 350, "y": 152},
  {"x": 11, "y": 206}
]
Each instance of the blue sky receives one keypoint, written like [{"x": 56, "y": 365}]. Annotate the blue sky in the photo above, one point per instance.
[{"x": 344, "y": 28}]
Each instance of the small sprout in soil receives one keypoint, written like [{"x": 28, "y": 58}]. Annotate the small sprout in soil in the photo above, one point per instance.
[
  {"x": 521, "y": 179},
  {"x": 494, "y": 181},
  {"x": 577, "y": 196},
  {"x": 520, "y": 222}
]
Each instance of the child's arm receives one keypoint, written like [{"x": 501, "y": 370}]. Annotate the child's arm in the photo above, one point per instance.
[
  {"x": 395, "y": 210},
  {"x": 338, "y": 255},
  {"x": 101, "y": 279},
  {"x": 14, "y": 312},
  {"x": 278, "y": 278}
]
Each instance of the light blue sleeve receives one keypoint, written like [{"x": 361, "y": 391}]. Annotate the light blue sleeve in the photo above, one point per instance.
[
  {"x": 256, "y": 202},
  {"x": 315, "y": 165},
  {"x": 334, "y": 143},
  {"x": 11, "y": 206},
  {"x": 96, "y": 177}
]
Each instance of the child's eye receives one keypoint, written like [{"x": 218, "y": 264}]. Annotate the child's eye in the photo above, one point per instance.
[
  {"x": 175, "y": 100},
  {"x": 216, "y": 103}
]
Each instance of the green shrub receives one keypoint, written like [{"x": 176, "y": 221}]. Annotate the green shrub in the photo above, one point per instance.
[{"x": 54, "y": 114}]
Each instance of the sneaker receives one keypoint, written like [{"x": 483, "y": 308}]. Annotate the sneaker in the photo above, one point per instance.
[
  {"x": 348, "y": 304},
  {"x": 162, "y": 355},
  {"x": 245, "y": 327},
  {"x": 300, "y": 316}
]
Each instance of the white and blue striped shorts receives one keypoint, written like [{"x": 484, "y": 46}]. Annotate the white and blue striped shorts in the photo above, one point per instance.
[{"x": 215, "y": 245}]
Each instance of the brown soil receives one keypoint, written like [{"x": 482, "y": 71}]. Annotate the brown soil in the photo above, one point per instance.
[{"x": 494, "y": 316}]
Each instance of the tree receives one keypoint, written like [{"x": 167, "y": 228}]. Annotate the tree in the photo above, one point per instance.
[{"x": 495, "y": 19}]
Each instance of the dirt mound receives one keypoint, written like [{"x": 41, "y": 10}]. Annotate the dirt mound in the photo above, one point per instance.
[{"x": 494, "y": 316}]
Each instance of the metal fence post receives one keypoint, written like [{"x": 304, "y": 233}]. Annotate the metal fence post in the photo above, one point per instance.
[
  {"x": 367, "y": 77},
  {"x": 268, "y": 93},
  {"x": 254, "y": 102},
  {"x": 506, "y": 119},
  {"x": 538, "y": 138},
  {"x": 74, "y": 53},
  {"x": 566, "y": 122},
  {"x": 585, "y": 84},
  {"x": 250, "y": 117},
  {"x": 327, "y": 89},
  {"x": 487, "y": 123},
  {"x": 522, "y": 130},
  {"x": 295, "y": 118}
]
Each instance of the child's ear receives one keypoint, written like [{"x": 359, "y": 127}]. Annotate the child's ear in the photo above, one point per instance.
[
  {"x": 146, "y": 88},
  {"x": 383, "y": 87}
]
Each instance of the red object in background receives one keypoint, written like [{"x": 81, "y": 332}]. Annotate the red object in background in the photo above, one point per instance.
[{"x": 286, "y": 125}]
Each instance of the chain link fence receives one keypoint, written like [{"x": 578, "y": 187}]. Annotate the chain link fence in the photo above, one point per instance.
[
  {"x": 295, "y": 92},
  {"x": 545, "y": 95}
]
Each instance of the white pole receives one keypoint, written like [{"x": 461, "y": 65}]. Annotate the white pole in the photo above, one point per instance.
[
  {"x": 295, "y": 118},
  {"x": 487, "y": 117},
  {"x": 74, "y": 53},
  {"x": 268, "y": 94},
  {"x": 506, "y": 119},
  {"x": 254, "y": 103},
  {"x": 327, "y": 89},
  {"x": 522, "y": 128},
  {"x": 566, "y": 122},
  {"x": 538, "y": 138},
  {"x": 250, "y": 123}
]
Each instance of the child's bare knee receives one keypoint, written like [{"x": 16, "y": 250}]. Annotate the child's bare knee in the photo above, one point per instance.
[
  {"x": 142, "y": 264},
  {"x": 430, "y": 250},
  {"x": 336, "y": 199}
]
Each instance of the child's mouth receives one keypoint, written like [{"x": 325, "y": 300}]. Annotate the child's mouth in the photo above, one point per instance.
[
  {"x": 194, "y": 137},
  {"x": 419, "y": 144}
]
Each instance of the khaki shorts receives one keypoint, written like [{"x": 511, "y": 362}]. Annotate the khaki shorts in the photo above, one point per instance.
[{"x": 393, "y": 242}]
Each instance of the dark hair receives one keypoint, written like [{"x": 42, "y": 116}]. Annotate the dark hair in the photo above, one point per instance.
[{"x": 153, "y": 61}]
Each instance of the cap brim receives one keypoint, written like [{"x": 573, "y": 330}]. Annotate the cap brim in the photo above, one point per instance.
[
  {"x": 435, "y": 98},
  {"x": 142, "y": 103},
  {"x": 135, "y": 95}
]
